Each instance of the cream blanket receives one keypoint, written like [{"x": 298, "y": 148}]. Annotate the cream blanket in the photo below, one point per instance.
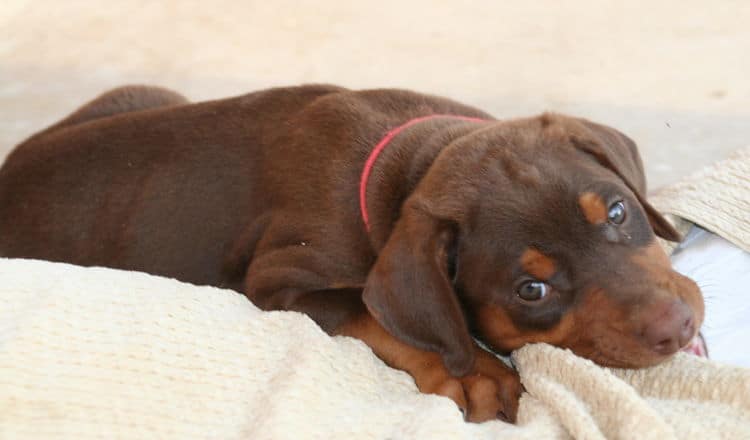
[
  {"x": 100, "y": 353},
  {"x": 717, "y": 197}
]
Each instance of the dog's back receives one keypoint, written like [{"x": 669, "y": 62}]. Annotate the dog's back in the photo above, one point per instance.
[{"x": 106, "y": 175}]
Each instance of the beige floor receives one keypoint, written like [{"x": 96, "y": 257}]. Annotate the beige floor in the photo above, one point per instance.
[{"x": 675, "y": 75}]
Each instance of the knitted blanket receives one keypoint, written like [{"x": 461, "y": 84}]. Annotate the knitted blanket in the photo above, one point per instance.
[
  {"x": 716, "y": 197},
  {"x": 98, "y": 353}
]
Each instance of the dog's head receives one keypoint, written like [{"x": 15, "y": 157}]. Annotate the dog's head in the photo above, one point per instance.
[{"x": 534, "y": 230}]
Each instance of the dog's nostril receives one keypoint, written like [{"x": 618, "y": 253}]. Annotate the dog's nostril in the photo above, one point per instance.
[
  {"x": 666, "y": 346},
  {"x": 687, "y": 331}
]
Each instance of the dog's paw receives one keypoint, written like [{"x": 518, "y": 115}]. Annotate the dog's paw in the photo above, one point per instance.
[{"x": 491, "y": 391}]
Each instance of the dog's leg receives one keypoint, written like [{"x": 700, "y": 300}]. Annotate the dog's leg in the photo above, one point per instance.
[
  {"x": 489, "y": 391},
  {"x": 120, "y": 100}
]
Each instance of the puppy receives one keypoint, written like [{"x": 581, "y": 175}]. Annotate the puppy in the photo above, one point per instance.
[{"x": 412, "y": 222}]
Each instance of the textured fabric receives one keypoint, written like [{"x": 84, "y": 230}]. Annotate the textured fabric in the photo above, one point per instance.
[
  {"x": 716, "y": 198},
  {"x": 98, "y": 353}
]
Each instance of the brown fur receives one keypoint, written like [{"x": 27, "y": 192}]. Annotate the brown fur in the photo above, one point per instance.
[{"x": 259, "y": 193}]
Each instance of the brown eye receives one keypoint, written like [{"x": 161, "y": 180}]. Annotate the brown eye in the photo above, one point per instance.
[
  {"x": 532, "y": 290},
  {"x": 616, "y": 213}
]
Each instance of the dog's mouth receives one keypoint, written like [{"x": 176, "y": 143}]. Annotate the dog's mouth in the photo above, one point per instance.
[{"x": 666, "y": 328}]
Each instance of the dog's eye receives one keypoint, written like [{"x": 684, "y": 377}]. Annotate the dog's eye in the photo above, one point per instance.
[
  {"x": 532, "y": 290},
  {"x": 616, "y": 214}
]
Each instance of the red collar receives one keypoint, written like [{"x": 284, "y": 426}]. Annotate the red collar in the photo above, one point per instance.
[{"x": 379, "y": 149}]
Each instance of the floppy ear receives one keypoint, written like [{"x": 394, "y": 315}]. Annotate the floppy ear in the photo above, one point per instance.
[
  {"x": 409, "y": 292},
  {"x": 617, "y": 152}
]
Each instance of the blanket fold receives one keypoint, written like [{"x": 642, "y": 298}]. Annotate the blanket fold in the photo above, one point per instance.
[{"x": 717, "y": 198}]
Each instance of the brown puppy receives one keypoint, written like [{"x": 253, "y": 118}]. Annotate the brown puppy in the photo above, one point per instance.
[{"x": 527, "y": 230}]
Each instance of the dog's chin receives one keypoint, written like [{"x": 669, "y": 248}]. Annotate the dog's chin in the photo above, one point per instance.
[
  {"x": 629, "y": 359},
  {"x": 631, "y": 362}
]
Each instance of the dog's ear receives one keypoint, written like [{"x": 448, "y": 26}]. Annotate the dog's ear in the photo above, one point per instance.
[
  {"x": 409, "y": 291},
  {"x": 617, "y": 152}
]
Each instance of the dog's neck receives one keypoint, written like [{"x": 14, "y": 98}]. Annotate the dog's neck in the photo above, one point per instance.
[{"x": 400, "y": 166}]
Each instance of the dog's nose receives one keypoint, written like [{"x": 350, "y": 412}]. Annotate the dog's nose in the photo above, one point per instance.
[{"x": 671, "y": 327}]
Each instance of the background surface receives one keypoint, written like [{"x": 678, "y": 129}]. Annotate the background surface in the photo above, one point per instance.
[{"x": 673, "y": 75}]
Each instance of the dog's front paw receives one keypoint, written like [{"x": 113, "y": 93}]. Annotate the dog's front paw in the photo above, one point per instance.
[
  {"x": 491, "y": 391},
  {"x": 494, "y": 389}
]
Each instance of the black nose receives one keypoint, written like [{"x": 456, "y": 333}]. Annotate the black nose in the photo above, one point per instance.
[{"x": 670, "y": 328}]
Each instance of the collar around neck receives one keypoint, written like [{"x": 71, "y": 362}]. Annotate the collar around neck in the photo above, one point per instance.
[{"x": 369, "y": 164}]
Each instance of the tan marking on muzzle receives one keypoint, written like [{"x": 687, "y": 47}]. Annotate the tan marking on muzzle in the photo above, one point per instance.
[
  {"x": 538, "y": 265},
  {"x": 498, "y": 330},
  {"x": 652, "y": 257},
  {"x": 658, "y": 268},
  {"x": 593, "y": 207}
]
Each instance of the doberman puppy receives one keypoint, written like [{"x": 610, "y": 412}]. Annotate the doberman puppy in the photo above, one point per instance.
[{"x": 409, "y": 221}]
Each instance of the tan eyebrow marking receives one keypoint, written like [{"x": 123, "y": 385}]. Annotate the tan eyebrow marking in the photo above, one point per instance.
[
  {"x": 593, "y": 208},
  {"x": 538, "y": 265}
]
